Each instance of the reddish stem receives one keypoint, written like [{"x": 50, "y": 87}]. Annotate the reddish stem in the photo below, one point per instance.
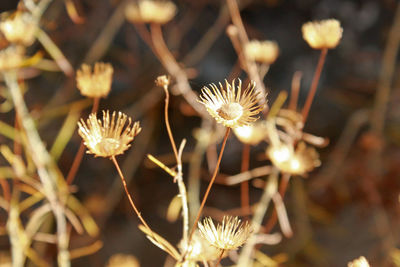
[
  {"x": 79, "y": 155},
  {"x": 244, "y": 186},
  {"x": 209, "y": 185},
  {"x": 314, "y": 84}
]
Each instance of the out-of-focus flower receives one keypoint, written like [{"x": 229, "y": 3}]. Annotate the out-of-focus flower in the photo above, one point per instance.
[
  {"x": 198, "y": 250},
  {"x": 229, "y": 235},
  {"x": 122, "y": 260},
  {"x": 262, "y": 51},
  {"x": 149, "y": 11},
  {"x": 11, "y": 57},
  {"x": 109, "y": 137},
  {"x": 229, "y": 105},
  {"x": 96, "y": 83},
  {"x": 322, "y": 34},
  {"x": 360, "y": 262},
  {"x": 252, "y": 134},
  {"x": 19, "y": 28},
  {"x": 299, "y": 162}
]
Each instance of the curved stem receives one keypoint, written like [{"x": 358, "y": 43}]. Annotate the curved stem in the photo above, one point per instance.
[
  {"x": 210, "y": 184},
  {"x": 244, "y": 186},
  {"x": 114, "y": 160},
  {"x": 166, "y": 117},
  {"x": 79, "y": 155},
  {"x": 314, "y": 84}
]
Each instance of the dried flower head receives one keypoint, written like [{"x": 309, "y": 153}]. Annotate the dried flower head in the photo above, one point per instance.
[
  {"x": 162, "y": 81},
  {"x": 252, "y": 134},
  {"x": 150, "y": 11},
  {"x": 96, "y": 83},
  {"x": 229, "y": 235},
  {"x": 262, "y": 51},
  {"x": 198, "y": 250},
  {"x": 122, "y": 260},
  {"x": 299, "y": 162},
  {"x": 19, "y": 28},
  {"x": 11, "y": 57},
  {"x": 109, "y": 137},
  {"x": 322, "y": 34},
  {"x": 229, "y": 106},
  {"x": 360, "y": 262}
]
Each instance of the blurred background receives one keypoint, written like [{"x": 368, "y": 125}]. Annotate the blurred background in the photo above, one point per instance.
[{"x": 346, "y": 208}]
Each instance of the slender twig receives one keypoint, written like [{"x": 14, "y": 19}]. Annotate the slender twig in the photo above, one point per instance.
[
  {"x": 79, "y": 155},
  {"x": 167, "y": 125},
  {"x": 121, "y": 175},
  {"x": 210, "y": 184},
  {"x": 282, "y": 191},
  {"x": 220, "y": 257},
  {"x": 314, "y": 84},
  {"x": 178, "y": 157},
  {"x": 55, "y": 52},
  {"x": 250, "y": 66},
  {"x": 294, "y": 95},
  {"x": 114, "y": 160},
  {"x": 6, "y": 190},
  {"x": 171, "y": 65},
  {"x": 269, "y": 190},
  {"x": 244, "y": 186},
  {"x": 42, "y": 160}
]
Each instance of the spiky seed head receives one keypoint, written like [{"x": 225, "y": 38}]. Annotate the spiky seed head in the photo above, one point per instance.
[
  {"x": 360, "y": 262},
  {"x": 265, "y": 52},
  {"x": 110, "y": 137},
  {"x": 229, "y": 235},
  {"x": 96, "y": 83},
  {"x": 230, "y": 106},
  {"x": 11, "y": 57},
  {"x": 19, "y": 28},
  {"x": 150, "y": 11},
  {"x": 322, "y": 34}
]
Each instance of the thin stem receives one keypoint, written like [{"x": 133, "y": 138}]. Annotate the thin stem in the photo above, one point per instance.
[
  {"x": 55, "y": 52},
  {"x": 210, "y": 184},
  {"x": 114, "y": 160},
  {"x": 220, "y": 257},
  {"x": 167, "y": 125},
  {"x": 172, "y": 66},
  {"x": 274, "y": 216},
  {"x": 314, "y": 84},
  {"x": 6, "y": 190},
  {"x": 269, "y": 190},
  {"x": 244, "y": 186},
  {"x": 294, "y": 95},
  {"x": 183, "y": 195},
  {"x": 79, "y": 155}
]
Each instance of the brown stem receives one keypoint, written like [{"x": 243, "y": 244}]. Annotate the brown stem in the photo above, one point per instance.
[
  {"x": 244, "y": 186},
  {"x": 79, "y": 155},
  {"x": 282, "y": 191},
  {"x": 210, "y": 184},
  {"x": 171, "y": 137},
  {"x": 294, "y": 95},
  {"x": 114, "y": 160},
  {"x": 6, "y": 190},
  {"x": 220, "y": 257},
  {"x": 314, "y": 84}
]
